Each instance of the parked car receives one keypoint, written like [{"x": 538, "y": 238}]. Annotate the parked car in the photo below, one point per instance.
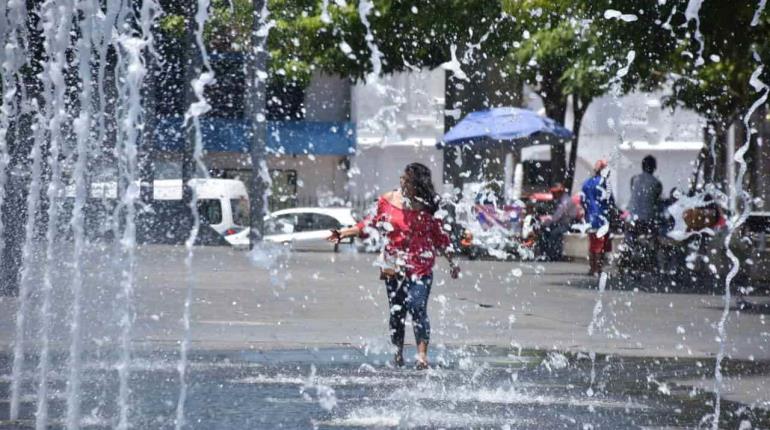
[{"x": 303, "y": 229}]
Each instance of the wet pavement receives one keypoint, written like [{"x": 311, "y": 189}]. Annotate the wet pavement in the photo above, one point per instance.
[
  {"x": 304, "y": 344},
  {"x": 325, "y": 299},
  {"x": 344, "y": 388}
]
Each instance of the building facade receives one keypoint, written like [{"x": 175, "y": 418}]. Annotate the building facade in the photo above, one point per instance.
[{"x": 399, "y": 120}]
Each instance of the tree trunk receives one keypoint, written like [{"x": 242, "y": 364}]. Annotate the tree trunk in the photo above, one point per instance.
[
  {"x": 147, "y": 154},
  {"x": 260, "y": 180},
  {"x": 13, "y": 210},
  {"x": 699, "y": 167},
  {"x": 13, "y": 207},
  {"x": 556, "y": 108},
  {"x": 451, "y": 118},
  {"x": 579, "y": 111}
]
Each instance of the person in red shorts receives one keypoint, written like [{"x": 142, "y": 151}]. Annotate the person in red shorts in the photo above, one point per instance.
[
  {"x": 414, "y": 237},
  {"x": 597, "y": 201}
]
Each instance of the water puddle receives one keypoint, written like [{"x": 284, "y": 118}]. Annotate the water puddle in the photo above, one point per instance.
[{"x": 341, "y": 388}]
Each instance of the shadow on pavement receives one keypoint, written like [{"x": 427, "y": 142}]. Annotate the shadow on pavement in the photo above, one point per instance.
[{"x": 662, "y": 283}]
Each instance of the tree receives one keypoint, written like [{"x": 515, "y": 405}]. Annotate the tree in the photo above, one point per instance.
[
  {"x": 307, "y": 36},
  {"x": 585, "y": 49},
  {"x": 715, "y": 83}
]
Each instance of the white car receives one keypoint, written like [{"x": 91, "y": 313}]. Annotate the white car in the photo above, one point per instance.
[{"x": 303, "y": 229}]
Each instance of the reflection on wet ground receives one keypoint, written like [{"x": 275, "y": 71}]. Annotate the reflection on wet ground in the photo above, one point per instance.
[{"x": 337, "y": 388}]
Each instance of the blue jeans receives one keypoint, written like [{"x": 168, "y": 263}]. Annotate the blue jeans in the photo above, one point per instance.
[{"x": 407, "y": 294}]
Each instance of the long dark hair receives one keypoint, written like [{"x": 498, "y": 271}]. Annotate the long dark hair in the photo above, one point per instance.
[{"x": 420, "y": 178}]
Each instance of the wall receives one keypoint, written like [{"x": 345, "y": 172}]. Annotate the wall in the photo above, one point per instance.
[
  {"x": 377, "y": 168},
  {"x": 400, "y": 106},
  {"x": 317, "y": 177},
  {"x": 399, "y": 119},
  {"x": 327, "y": 98}
]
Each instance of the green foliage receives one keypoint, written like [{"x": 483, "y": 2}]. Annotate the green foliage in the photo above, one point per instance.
[
  {"x": 228, "y": 28},
  {"x": 302, "y": 42},
  {"x": 558, "y": 47},
  {"x": 733, "y": 49},
  {"x": 407, "y": 32},
  {"x": 420, "y": 33},
  {"x": 173, "y": 25},
  {"x": 570, "y": 47}
]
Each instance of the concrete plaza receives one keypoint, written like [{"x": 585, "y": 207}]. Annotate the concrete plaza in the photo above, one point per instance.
[{"x": 309, "y": 300}]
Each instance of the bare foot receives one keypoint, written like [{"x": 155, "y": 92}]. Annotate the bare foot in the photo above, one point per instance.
[{"x": 422, "y": 356}]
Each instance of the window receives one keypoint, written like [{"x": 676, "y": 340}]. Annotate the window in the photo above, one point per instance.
[
  {"x": 240, "y": 209},
  {"x": 315, "y": 222},
  {"x": 284, "y": 189},
  {"x": 283, "y": 224},
  {"x": 325, "y": 222},
  {"x": 210, "y": 211},
  {"x": 285, "y": 102},
  {"x": 305, "y": 222},
  {"x": 537, "y": 172}
]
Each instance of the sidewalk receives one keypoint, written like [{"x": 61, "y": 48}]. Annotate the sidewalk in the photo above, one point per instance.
[{"x": 324, "y": 299}]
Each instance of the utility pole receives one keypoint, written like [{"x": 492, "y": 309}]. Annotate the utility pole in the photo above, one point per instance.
[{"x": 256, "y": 62}]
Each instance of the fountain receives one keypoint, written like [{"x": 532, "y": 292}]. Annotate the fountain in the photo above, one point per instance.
[
  {"x": 74, "y": 79},
  {"x": 94, "y": 346}
]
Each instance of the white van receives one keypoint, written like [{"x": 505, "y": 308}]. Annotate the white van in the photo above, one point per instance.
[{"x": 223, "y": 204}]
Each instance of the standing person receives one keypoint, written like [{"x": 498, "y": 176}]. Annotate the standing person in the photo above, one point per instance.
[
  {"x": 644, "y": 219},
  {"x": 414, "y": 238},
  {"x": 645, "y": 198},
  {"x": 554, "y": 227},
  {"x": 597, "y": 201}
]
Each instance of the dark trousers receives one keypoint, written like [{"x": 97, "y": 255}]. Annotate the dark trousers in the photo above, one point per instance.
[
  {"x": 407, "y": 294},
  {"x": 552, "y": 241}
]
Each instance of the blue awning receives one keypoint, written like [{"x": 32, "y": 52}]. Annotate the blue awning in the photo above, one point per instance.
[{"x": 283, "y": 137}]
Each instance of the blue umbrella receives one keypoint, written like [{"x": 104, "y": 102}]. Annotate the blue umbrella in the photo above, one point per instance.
[{"x": 506, "y": 124}]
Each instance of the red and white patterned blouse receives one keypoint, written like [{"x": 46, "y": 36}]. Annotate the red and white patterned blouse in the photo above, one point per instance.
[{"x": 414, "y": 237}]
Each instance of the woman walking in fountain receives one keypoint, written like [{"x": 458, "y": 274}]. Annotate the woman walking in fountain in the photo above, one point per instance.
[{"x": 414, "y": 236}]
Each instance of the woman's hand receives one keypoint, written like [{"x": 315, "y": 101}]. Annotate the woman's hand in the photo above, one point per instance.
[
  {"x": 454, "y": 271},
  {"x": 338, "y": 234},
  {"x": 335, "y": 236}
]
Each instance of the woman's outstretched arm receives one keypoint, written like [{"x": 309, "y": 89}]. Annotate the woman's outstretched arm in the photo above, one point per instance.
[{"x": 339, "y": 234}]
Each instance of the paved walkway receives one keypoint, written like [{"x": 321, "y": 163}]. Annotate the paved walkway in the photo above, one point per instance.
[{"x": 325, "y": 299}]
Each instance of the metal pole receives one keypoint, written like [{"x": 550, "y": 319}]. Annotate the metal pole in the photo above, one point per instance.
[
  {"x": 192, "y": 69},
  {"x": 730, "y": 169},
  {"x": 257, "y": 62}
]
